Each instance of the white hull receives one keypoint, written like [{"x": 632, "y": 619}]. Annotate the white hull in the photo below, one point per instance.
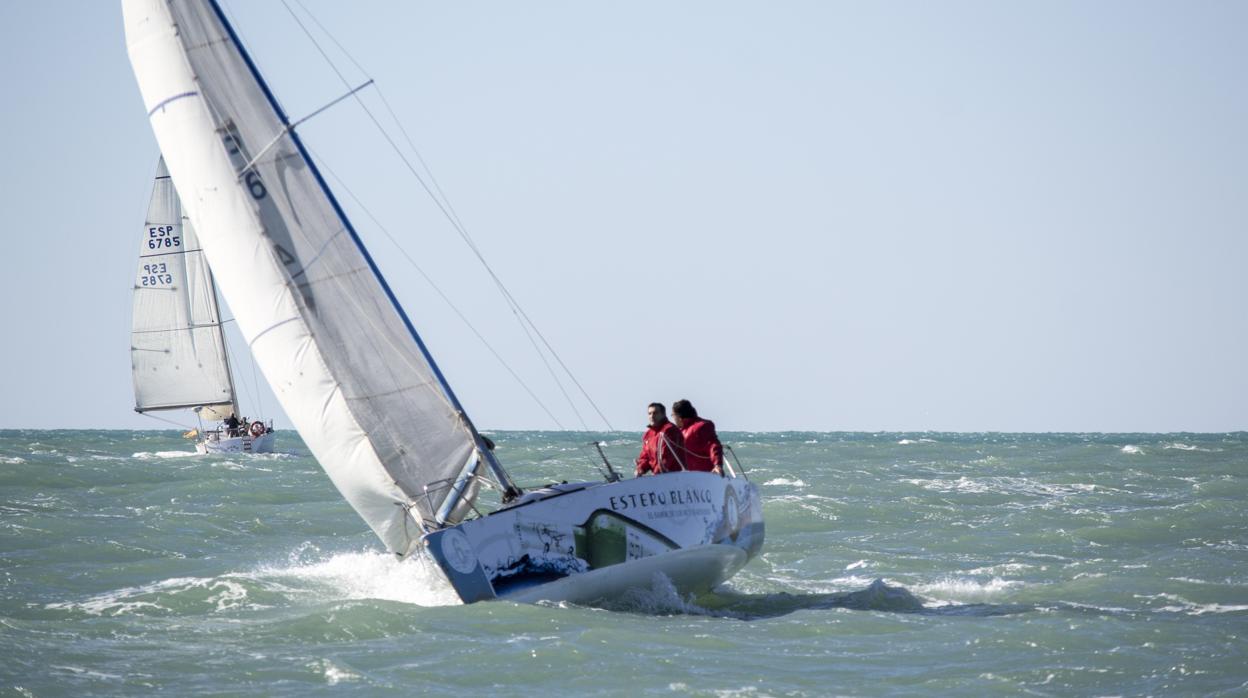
[
  {"x": 237, "y": 444},
  {"x": 690, "y": 570},
  {"x": 583, "y": 542}
]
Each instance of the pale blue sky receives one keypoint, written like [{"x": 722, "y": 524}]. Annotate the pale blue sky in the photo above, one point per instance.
[{"x": 1024, "y": 216}]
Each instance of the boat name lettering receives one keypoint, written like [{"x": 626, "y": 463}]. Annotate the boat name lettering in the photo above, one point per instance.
[{"x": 641, "y": 500}]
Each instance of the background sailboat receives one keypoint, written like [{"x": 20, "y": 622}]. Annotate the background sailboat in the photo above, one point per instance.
[{"x": 177, "y": 342}]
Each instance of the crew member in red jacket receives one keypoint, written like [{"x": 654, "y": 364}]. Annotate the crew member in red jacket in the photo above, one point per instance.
[
  {"x": 702, "y": 448},
  {"x": 662, "y": 445}
]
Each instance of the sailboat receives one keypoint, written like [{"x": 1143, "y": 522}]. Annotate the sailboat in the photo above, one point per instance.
[
  {"x": 177, "y": 343},
  {"x": 355, "y": 378}
]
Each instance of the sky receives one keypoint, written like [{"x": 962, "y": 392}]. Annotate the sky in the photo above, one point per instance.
[{"x": 954, "y": 216}]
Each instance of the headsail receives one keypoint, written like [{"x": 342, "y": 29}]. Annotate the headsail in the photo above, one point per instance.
[
  {"x": 340, "y": 354},
  {"x": 176, "y": 347}
]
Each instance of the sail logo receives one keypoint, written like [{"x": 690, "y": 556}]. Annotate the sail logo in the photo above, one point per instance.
[
  {"x": 161, "y": 236},
  {"x": 458, "y": 551}
]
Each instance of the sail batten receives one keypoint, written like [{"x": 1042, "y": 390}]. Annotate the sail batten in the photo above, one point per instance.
[
  {"x": 323, "y": 326},
  {"x": 177, "y": 349}
]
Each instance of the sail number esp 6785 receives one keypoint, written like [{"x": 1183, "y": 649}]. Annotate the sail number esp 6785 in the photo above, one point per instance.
[{"x": 162, "y": 236}]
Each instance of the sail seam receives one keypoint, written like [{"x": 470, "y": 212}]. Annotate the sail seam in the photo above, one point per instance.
[
  {"x": 266, "y": 330},
  {"x": 174, "y": 98},
  {"x": 166, "y": 254}
]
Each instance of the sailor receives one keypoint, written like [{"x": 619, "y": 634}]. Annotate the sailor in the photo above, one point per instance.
[
  {"x": 703, "y": 451},
  {"x": 231, "y": 425},
  {"x": 661, "y": 445}
]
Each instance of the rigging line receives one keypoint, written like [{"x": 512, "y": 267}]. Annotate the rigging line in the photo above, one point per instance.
[
  {"x": 254, "y": 387},
  {"x": 167, "y": 421},
  {"x": 443, "y": 204},
  {"x": 291, "y": 126},
  {"x": 393, "y": 116},
  {"x": 438, "y": 290}
]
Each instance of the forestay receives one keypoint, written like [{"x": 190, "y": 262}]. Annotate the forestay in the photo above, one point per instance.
[
  {"x": 346, "y": 365},
  {"x": 176, "y": 346}
]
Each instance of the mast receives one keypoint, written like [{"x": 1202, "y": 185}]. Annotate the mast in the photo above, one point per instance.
[{"x": 225, "y": 355}]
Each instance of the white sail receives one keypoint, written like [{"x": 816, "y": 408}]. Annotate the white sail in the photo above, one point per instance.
[
  {"x": 341, "y": 356},
  {"x": 176, "y": 348}
]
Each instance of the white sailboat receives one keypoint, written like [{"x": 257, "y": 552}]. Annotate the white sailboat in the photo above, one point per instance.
[
  {"x": 353, "y": 375},
  {"x": 177, "y": 343}
]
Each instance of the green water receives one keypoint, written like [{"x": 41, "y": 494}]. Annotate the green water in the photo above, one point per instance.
[{"x": 1013, "y": 564}]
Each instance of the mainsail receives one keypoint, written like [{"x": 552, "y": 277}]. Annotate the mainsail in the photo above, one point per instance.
[
  {"x": 177, "y": 349},
  {"x": 341, "y": 356}
]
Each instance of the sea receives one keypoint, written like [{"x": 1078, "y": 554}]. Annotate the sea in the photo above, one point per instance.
[{"x": 894, "y": 564}]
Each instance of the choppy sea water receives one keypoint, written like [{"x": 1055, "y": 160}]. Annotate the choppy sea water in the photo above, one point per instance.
[{"x": 898, "y": 564}]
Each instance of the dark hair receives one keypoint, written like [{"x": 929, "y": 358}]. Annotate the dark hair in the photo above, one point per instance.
[
  {"x": 684, "y": 409},
  {"x": 659, "y": 405}
]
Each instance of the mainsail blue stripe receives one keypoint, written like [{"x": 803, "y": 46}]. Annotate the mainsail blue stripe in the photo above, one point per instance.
[{"x": 175, "y": 97}]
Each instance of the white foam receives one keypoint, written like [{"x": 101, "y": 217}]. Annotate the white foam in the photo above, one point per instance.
[
  {"x": 148, "y": 455},
  {"x": 966, "y": 590},
  {"x": 1132, "y": 450},
  {"x": 14, "y": 460},
  {"x": 785, "y": 481},
  {"x": 370, "y": 575},
  {"x": 1004, "y": 568},
  {"x": 1180, "y": 446},
  {"x": 366, "y": 575},
  {"x": 131, "y": 599},
  {"x": 1004, "y": 485},
  {"x": 857, "y": 565},
  {"x": 333, "y": 673},
  {"x": 89, "y": 673},
  {"x": 1178, "y": 604}
]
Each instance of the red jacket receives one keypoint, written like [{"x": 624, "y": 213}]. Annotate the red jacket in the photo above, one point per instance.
[
  {"x": 702, "y": 448},
  {"x": 661, "y": 446}
]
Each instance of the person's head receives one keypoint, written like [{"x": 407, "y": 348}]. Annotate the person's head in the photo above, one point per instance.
[
  {"x": 683, "y": 410},
  {"x": 657, "y": 413}
]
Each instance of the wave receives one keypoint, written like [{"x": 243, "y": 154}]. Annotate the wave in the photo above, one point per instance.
[
  {"x": 160, "y": 598},
  {"x": 333, "y": 673},
  {"x": 1180, "y": 446},
  {"x": 364, "y": 575},
  {"x": 150, "y": 455},
  {"x": 1005, "y": 485},
  {"x": 964, "y": 590},
  {"x": 1178, "y": 604},
  {"x": 343, "y": 576},
  {"x": 662, "y": 598},
  {"x": 1132, "y": 450}
]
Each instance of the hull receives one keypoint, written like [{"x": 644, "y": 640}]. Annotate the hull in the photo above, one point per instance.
[
  {"x": 588, "y": 541},
  {"x": 237, "y": 444}
]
